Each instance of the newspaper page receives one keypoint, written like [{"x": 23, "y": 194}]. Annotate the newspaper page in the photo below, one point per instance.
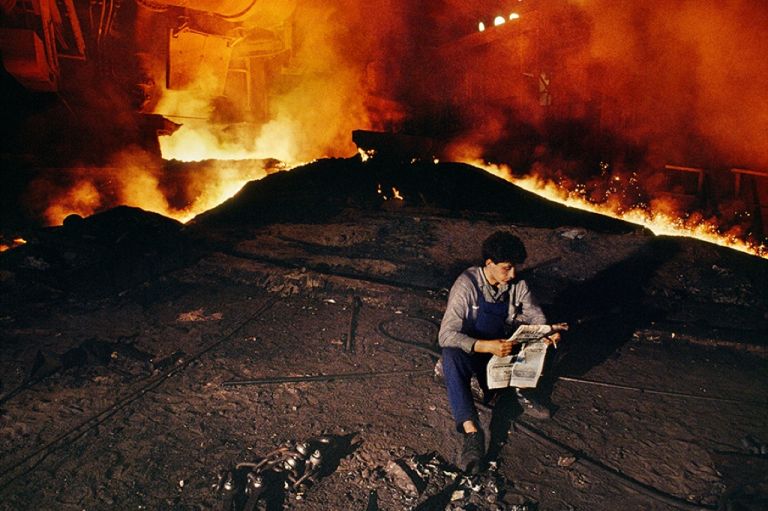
[{"x": 524, "y": 369}]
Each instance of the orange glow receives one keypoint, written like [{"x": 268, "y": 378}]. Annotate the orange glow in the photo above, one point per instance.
[
  {"x": 366, "y": 155},
  {"x": 134, "y": 179},
  {"x": 229, "y": 179},
  {"x": 231, "y": 130},
  {"x": 654, "y": 218},
  {"x": 199, "y": 141},
  {"x": 395, "y": 193},
  {"x": 579, "y": 79},
  {"x": 17, "y": 242},
  {"x": 82, "y": 199},
  {"x": 311, "y": 115},
  {"x": 321, "y": 98}
]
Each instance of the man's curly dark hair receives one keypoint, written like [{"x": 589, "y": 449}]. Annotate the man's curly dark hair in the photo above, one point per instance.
[{"x": 503, "y": 247}]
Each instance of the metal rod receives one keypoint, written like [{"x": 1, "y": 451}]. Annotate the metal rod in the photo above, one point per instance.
[
  {"x": 658, "y": 392},
  {"x": 326, "y": 377},
  {"x": 350, "y": 343}
]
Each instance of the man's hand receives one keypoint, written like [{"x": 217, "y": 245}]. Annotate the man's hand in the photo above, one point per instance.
[
  {"x": 553, "y": 339},
  {"x": 498, "y": 347}
]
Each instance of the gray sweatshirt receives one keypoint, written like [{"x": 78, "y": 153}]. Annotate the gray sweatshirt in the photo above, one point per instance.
[{"x": 464, "y": 303}]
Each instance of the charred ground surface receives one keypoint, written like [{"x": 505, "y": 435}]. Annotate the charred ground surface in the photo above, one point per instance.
[{"x": 121, "y": 330}]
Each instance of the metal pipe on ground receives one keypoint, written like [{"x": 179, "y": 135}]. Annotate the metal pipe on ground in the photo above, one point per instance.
[
  {"x": 643, "y": 390},
  {"x": 349, "y": 346},
  {"x": 326, "y": 377}
]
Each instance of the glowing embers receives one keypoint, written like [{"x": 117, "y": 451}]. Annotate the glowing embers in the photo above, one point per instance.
[
  {"x": 395, "y": 193},
  {"x": 657, "y": 216},
  {"x": 366, "y": 154},
  {"x": 498, "y": 21},
  {"x": 16, "y": 242}
]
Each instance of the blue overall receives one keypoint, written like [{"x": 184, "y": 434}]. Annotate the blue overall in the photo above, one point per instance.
[{"x": 459, "y": 366}]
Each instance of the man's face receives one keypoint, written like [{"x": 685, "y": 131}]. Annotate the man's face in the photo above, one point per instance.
[{"x": 499, "y": 272}]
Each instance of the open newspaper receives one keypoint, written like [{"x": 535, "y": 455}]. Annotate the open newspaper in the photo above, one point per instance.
[{"x": 524, "y": 369}]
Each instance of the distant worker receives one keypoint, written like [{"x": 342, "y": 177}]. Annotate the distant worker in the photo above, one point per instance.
[{"x": 484, "y": 306}]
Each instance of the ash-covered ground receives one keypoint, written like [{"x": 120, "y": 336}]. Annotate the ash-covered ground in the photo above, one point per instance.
[{"x": 123, "y": 335}]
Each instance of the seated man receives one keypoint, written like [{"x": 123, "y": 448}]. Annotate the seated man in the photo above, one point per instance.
[{"x": 484, "y": 305}]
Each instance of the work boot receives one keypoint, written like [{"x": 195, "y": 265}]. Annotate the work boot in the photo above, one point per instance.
[
  {"x": 532, "y": 407},
  {"x": 472, "y": 452}
]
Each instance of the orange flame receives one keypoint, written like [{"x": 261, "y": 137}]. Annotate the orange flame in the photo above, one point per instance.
[
  {"x": 654, "y": 218},
  {"x": 17, "y": 242},
  {"x": 136, "y": 180},
  {"x": 200, "y": 141}
]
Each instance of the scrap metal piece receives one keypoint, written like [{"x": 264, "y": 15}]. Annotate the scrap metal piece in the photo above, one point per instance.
[
  {"x": 228, "y": 489},
  {"x": 295, "y": 466},
  {"x": 315, "y": 459},
  {"x": 302, "y": 448},
  {"x": 291, "y": 465},
  {"x": 254, "y": 489}
]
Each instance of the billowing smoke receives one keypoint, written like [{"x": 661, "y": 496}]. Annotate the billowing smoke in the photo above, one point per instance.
[
  {"x": 598, "y": 96},
  {"x": 314, "y": 102},
  {"x": 683, "y": 81},
  {"x": 594, "y": 95}
]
